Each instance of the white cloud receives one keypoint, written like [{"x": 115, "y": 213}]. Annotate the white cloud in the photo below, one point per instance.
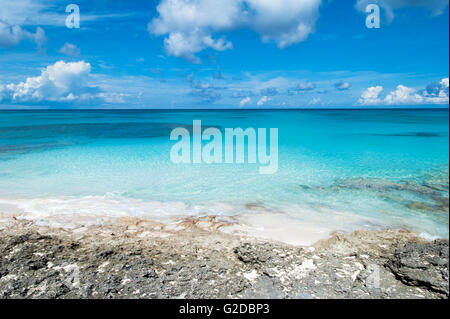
[
  {"x": 11, "y": 35},
  {"x": 371, "y": 96},
  {"x": 243, "y": 101},
  {"x": 435, "y": 93},
  {"x": 13, "y": 16},
  {"x": 20, "y": 12},
  {"x": 284, "y": 21},
  {"x": 18, "y": 16},
  {"x": 190, "y": 24},
  {"x": 263, "y": 100},
  {"x": 403, "y": 95},
  {"x": 70, "y": 50},
  {"x": 59, "y": 82},
  {"x": 435, "y": 6}
]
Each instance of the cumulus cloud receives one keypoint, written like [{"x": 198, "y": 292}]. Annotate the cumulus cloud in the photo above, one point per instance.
[
  {"x": 11, "y": 35},
  {"x": 13, "y": 16},
  {"x": 263, "y": 100},
  {"x": 70, "y": 50},
  {"x": 342, "y": 85},
  {"x": 19, "y": 18},
  {"x": 435, "y": 93},
  {"x": 403, "y": 95},
  {"x": 244, "y": 101},
  {"x": 371, "y": 96},
  {"x": 59, "y": 82},
  {"x": 435, "y": 6},
  {"x": 284, "y": 21},
  {"x": 190, "y": 25}
]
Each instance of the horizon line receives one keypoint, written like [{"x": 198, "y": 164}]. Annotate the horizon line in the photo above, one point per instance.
[{"x": 229, "y": 109}]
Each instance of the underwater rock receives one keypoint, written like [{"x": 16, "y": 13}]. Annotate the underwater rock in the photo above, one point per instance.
[
  {"x": 421, "y": 206},
  {"x": 381, "y": 185}
]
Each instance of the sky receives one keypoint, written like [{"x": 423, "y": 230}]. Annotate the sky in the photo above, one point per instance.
[{"x": 223, "y": 54}]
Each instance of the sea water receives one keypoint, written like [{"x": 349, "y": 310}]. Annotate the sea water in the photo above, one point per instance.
[{"x": 339, "y": 170}]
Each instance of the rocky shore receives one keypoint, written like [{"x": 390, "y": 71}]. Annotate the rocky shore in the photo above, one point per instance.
[{"x": 133, "y": 260}]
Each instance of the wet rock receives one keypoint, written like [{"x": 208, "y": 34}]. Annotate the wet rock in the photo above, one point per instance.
[{"x": 423, "y": 265}]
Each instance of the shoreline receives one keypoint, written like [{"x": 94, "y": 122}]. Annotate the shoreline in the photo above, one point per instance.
[
  {"x": 131, "y": 259},
  {"x": 251, "y": 219}
]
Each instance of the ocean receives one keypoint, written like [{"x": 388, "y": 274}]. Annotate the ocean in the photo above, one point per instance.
[{"x": 338, "y": 170}]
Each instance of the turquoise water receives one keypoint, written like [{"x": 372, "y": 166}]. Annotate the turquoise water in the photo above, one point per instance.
[{"x": 343, "y": 169}]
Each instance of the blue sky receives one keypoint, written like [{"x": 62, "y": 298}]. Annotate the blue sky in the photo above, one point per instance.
[{"x": 223, "y": 54}]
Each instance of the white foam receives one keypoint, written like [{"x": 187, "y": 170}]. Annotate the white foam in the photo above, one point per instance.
[
  {"x": 428, "y": 237},
  {"x": 70, "y": 211},
  {"x": 294, "y": 224}
]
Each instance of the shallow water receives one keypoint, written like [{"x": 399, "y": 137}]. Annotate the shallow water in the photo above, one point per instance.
[{"x": 338, "y": 169}]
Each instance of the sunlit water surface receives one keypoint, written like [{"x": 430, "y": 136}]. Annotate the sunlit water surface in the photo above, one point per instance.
[{"x": 338, "y": 169}]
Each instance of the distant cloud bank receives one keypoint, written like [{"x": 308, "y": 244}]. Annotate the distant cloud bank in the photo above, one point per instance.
[{"x": 434, "y": 93}]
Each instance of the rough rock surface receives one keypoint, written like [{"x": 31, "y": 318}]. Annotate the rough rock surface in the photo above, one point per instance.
[
  {"x": 423, "y": 265},
  {"x": 130, "y": 261}
]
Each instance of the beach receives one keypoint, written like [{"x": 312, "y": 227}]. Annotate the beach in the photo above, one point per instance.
[
  {"x": 92, "y": 206},
  {"x": 195, "y": 152}
]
